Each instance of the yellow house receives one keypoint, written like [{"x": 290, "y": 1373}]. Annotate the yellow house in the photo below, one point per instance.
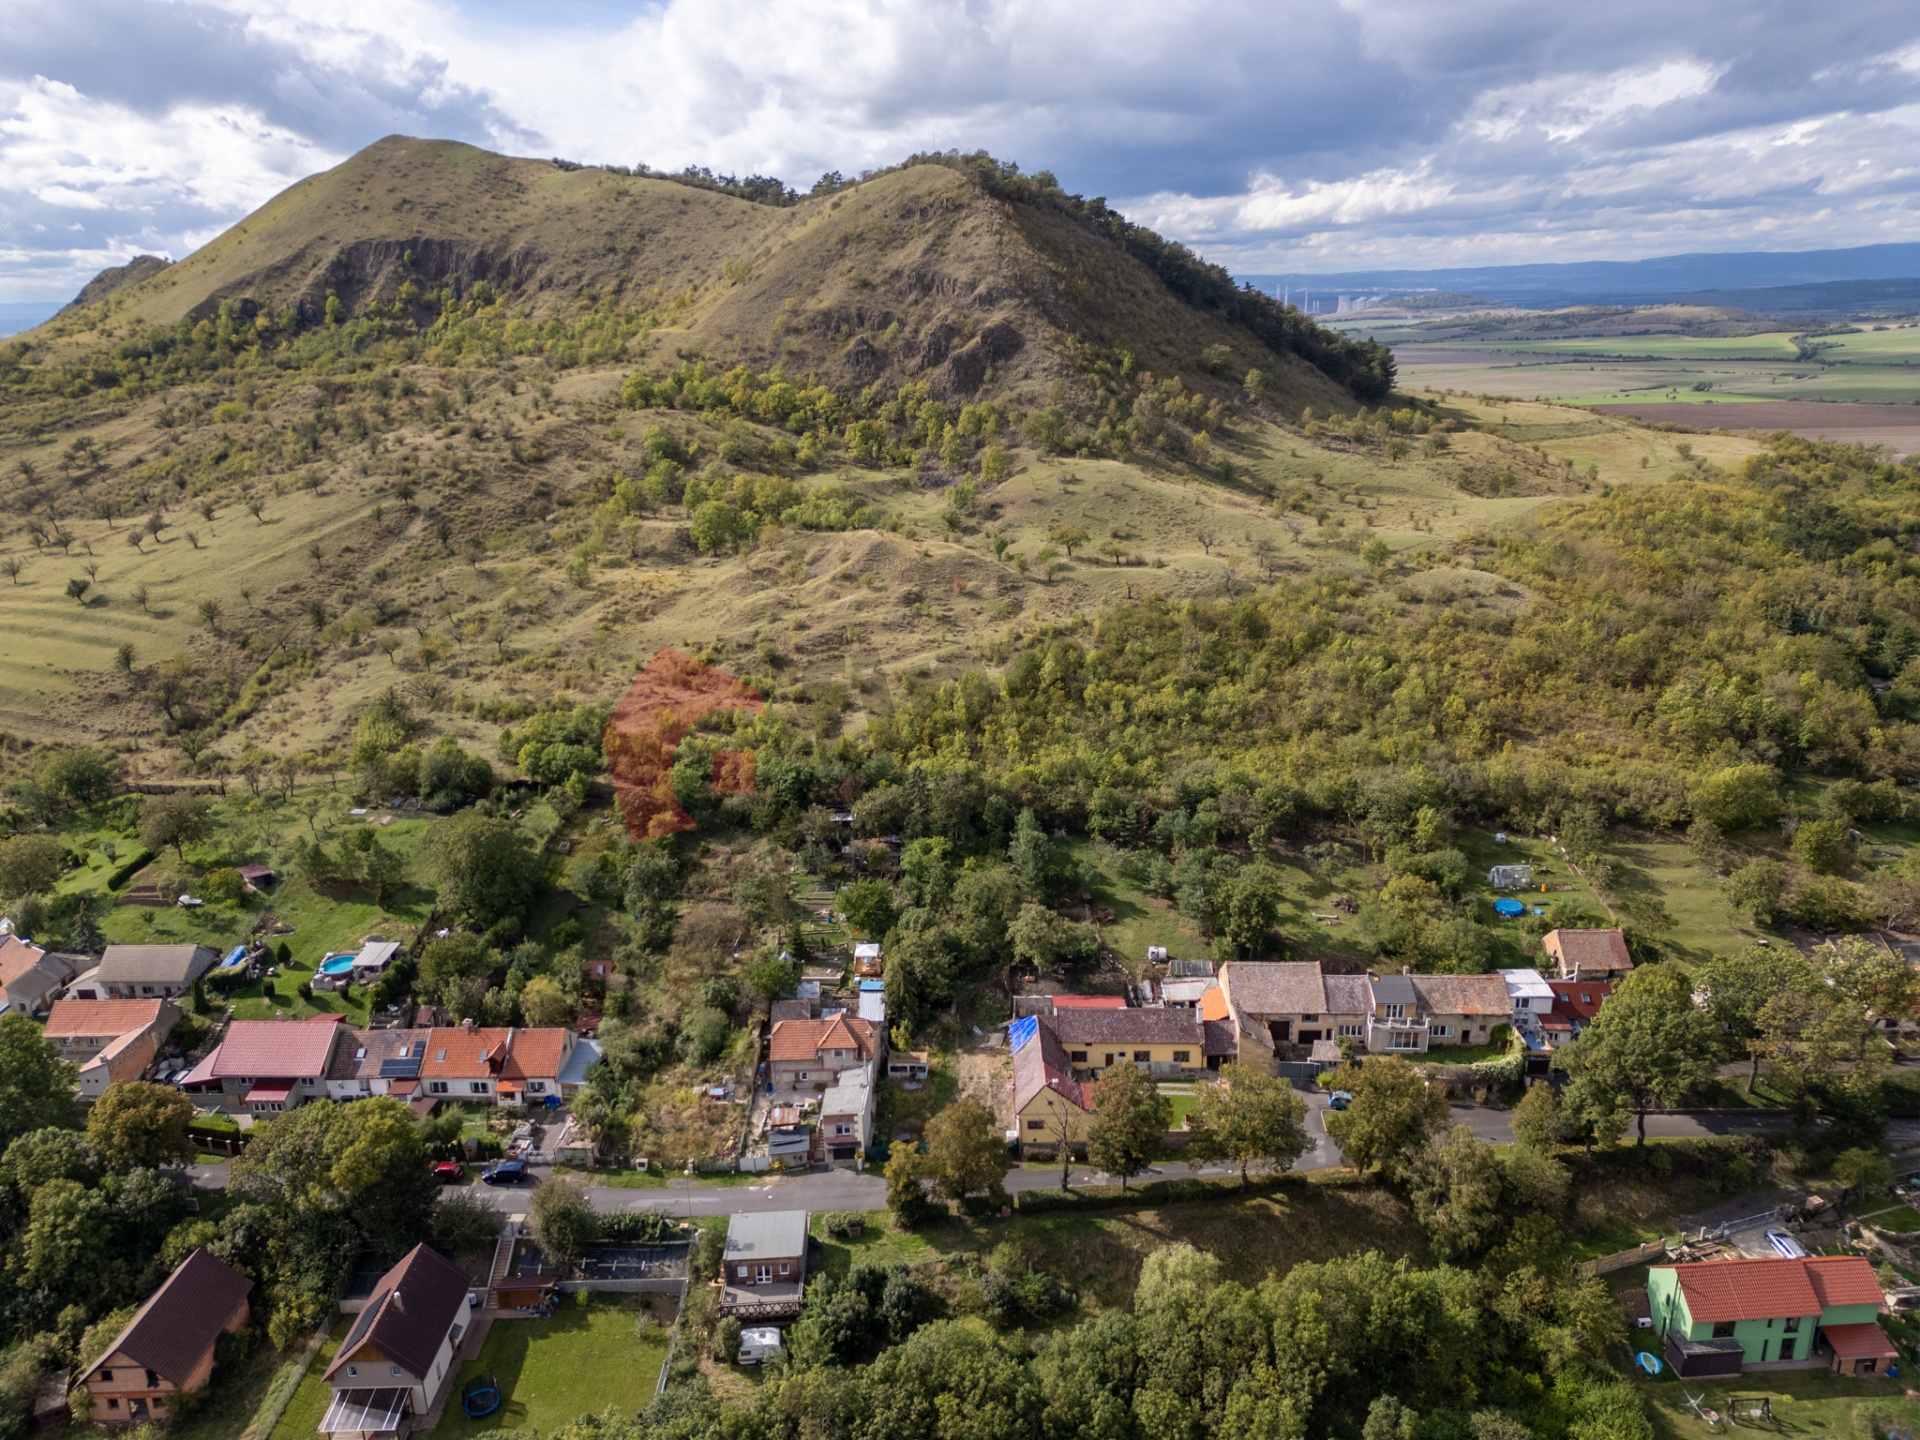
[
  {"x": 1050, "y": 1107},
  {"x": 1167, "y": 1042}
]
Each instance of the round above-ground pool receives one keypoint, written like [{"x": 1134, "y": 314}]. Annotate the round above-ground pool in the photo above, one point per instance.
[
  {"x": 1509, "y": 908},
  {"x": 336, "y": 964}
]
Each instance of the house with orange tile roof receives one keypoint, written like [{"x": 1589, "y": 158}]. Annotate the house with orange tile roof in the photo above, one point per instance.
[
  {"x": 1587, "y": 954},
  {"x": 507, "y": 1065},
  {"x": 112, "y": 1041},
  {"x": 810, "y": 1054},
  {"x": 31, "y": 977},
  {"x": 1718, "y": 1316}
]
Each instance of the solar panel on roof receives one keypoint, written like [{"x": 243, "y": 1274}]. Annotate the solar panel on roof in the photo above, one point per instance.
[{"x": 400, "y": 1068}]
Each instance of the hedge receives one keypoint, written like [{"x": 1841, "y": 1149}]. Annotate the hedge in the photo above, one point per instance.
[
  {"x": 638, "y": 1227},
  {"x": 1152, "y": 1192},
  {"x": 127, "y": 869}
]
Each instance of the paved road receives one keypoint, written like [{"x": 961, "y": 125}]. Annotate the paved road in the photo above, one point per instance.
[{"x": 844, "y": 1190}]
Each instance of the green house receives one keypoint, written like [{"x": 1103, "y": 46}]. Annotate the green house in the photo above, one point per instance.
[{"x": 1718, "y": 1316}]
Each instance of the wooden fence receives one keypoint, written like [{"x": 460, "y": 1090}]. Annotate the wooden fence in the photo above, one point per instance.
[{"x": 1622, "y": 1259}]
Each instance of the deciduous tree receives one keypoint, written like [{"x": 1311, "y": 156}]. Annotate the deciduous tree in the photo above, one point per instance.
[
  {"x": 1249, "y": 1118},
  {"x": 1130, "y": 1117}
]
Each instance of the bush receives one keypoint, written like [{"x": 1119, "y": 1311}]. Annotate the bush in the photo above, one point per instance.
[
  {"x": 638, "y": 1227},
  {"x": 844, "y": 1224},
  {"x": 1154, "y": 1192},
  {"x": 726, "y": 1339}
]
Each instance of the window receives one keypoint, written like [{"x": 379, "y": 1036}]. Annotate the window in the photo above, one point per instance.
[
  {"x": 106, "y": 1377},
  {"x": 842, "y": 1129},
  {"x": 352, "y": 1371},
  {"x": 534, "y": 1087},
  {"x": 436, "y": 1087},
  {"x": 744, "y": 1272},
  {"x": 1309, "y": 1018},
  {"x": 1443, "y": 1032},
  {"x": 1143, "y": 1055},
  {"x": 1079, "y": 1056},
  {"x": 153, "y": 1381},
  {"x": 113, "y": 1404},
  {"x": 1036, "y": 1124},
  {"x": 1353, "y": 1032},
  {"x": 1585, "y": 999},
  {"x": 785, "y": 1268},
  {"x": 1787, "y": 1348},
  {"x": 146, "y": 989},
  {"x": 1793, "y": 1325},
  {"x": 440, "y": 1054},
  {"x": 1182, "y": 1057},
  {"x": 1395, "y": 1012},
  {"x": 801, "y": 1076},
  {"x": 395, "y": 1369},
  {"x": 1723, "y": 1330},
  {"x": 477, "y": 1087}
]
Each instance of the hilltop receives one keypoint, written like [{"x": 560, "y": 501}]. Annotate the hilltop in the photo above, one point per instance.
[{"x": 495, "y": 429}]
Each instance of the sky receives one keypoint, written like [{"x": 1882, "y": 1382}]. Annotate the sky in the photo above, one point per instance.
[{"x": 1272, "y": 135}]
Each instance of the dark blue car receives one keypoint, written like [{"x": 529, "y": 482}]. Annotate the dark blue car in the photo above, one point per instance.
[{"x": 505, "y": 1172}]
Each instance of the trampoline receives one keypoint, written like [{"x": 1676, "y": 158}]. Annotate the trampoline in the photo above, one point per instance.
[{"x": 481, "y": 1398}]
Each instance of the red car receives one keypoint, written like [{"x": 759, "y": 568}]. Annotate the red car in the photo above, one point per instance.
[{"x": 449, "y": 1172}]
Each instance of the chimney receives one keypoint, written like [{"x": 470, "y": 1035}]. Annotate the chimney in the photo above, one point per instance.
[{"x": 1406, "y": 970}]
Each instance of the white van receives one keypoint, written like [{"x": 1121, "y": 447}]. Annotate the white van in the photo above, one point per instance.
[{"x": 759, "y": 1342}]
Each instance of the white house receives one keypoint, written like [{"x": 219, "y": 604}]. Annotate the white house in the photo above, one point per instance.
[{"x": 402, "y": 1351}]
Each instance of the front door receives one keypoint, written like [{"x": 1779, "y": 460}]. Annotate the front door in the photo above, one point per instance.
[
  {"x": 137, "y": 1409},
  {"x": 1283, "y": 1030},
  {"x": 763, "y": 1275}
]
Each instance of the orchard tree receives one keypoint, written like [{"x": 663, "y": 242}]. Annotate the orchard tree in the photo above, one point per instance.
[
  {"x": 174, "y": 820},
  {"x": 868, "y": 906},
  {"x": 564, "y": 1224},
  {"x": 1130, "y": 1120},
  {"x": 483, "y": 866},
  {"x": 1737, "y": 988},
  {"x": 29, "y": 864},
  {"x": 1249, "y": 1118}
]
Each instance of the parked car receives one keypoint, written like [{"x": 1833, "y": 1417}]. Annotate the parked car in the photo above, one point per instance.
[
  {"x": 1339, "y": 1100},
  {"x": 449, "y": 1172},
  {"x": 1786, "y": 1245},
  {"x": 505, "y": 1172}
]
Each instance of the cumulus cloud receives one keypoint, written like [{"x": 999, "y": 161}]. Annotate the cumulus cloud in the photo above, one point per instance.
[{"x": 1309, "y": 134}]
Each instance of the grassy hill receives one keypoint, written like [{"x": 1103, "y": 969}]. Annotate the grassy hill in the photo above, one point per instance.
[{"x": 376, "y": 434}]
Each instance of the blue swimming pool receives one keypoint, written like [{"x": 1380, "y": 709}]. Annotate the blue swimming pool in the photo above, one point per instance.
[{"x": 336, "y": 964}]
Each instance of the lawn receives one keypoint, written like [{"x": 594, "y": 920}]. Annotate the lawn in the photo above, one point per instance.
[
  {"x": 234, "y": 1402},
  {"x": 302, "y": 1417},
  {"x": 585, "y": 1359},
  {"x": 1804, "y": 1402}
]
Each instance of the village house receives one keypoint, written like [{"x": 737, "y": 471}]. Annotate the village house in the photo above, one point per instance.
[
  {"x": 1587, "y": 954},
  {"x": 506, "y": 1066},
  {"x": 270, "y": 1066},
  {"x": 142, "y": 972},
  {"x": 167, "y": 1349},
  {"x": 1050, "y": 1107},
  {"x": 112, "y": 1041},
  {"x": 397, "y": 1362},
  {"x": 846, "y": 1116},
  {"x": 31, "y": 978},
  {"x": 763, "y": 1270},
  {"x": 1717, "y": 1316},
  {"x": 1161, "y": 1042},
  {"x": 810, "y": 1054},
  {"x": 1463, "y": 1009},
  {"x": 377, "y": 1062}
]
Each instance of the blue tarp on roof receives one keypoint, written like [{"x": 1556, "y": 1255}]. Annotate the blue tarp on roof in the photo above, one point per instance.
[
  {"x": 234, "y": 957},
  {"x": 1021, "y": 1031}
]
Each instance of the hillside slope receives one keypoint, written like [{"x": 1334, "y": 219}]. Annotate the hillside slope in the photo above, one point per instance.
[{"x": 506, "y": 465}]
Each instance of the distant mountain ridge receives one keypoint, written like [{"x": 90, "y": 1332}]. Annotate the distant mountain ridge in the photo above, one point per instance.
[{"x": 1768, "y": 281}]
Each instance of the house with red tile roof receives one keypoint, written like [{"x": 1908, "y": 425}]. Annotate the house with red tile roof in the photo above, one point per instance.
[
  {"x": 1718, "y": 1316},
  {"x": 112, "y": 1041},
  {"x": 271, "y": 1065},
  {"x": 1050, "y": 1107},
  {"x": 810, "y": 1054}
]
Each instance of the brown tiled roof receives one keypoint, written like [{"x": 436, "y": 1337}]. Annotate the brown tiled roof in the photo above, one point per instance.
[
  {"x": 1348, "y": 995},
  {"x": 361, "y": 1053},
  {"x": 1463, "y": 994},
  {"x": 409, "y": 1313},
  {"x": 1588, "y": 949},
  {"x": 175, "y": 1329},
  {"x": 1275, "y": 987},
  {"x": 1222, "y": 1037},
  {"x": 100, "y": 1017},
  {"x": 1178, "y": 1026},
  {"x": 793, "y": 1040}
]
